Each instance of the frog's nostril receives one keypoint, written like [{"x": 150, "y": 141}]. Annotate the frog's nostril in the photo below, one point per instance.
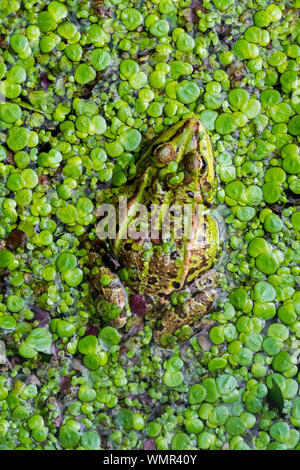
[{"x": 165, "y": 153}]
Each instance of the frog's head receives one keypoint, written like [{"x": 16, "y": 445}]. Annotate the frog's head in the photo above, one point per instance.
[{"x": 185, "y": 158}]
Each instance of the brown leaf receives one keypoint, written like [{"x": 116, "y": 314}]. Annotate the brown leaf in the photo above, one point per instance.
[
  {"x": 10, "y": 158},
  {"x": 194, "y": 7},
  {"x": 16, "y": 238}
]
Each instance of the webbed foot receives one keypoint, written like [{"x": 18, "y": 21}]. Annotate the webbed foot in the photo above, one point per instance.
[
  {"x": 178, "y": 320},
  {"x": 113, "y": 299}
]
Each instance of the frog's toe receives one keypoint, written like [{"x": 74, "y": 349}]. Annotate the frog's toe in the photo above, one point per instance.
[
  {"x": 119, "y": 321},
  {"x": 210, "y": 279}
]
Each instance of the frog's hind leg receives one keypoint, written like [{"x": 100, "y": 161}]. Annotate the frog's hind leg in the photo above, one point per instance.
[
  {"x": 198, "y": 300},
  {"x": 211, "y": 280},
  {"x": 109, "y": 292}
]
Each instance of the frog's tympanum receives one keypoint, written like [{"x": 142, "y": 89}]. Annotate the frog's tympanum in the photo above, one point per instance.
[{"x": 175, "y": 183}]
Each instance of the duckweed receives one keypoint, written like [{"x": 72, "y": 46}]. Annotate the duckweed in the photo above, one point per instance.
[{"x": 83, "y": 89}]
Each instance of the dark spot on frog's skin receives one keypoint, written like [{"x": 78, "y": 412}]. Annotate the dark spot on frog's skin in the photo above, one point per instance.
[
  {"x": 207, "y": 204},
  {"x": 127, "y": 246},
  {"x": 174, "y": 255},
  {"x": 176, "y": 284},
  {"x": 161, "y": 294}
]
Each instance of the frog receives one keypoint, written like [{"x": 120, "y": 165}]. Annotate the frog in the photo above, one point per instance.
[{"x": 175, "y": 172}]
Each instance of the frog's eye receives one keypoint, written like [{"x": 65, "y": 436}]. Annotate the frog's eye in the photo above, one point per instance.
[{"x": 164, "y": 153}]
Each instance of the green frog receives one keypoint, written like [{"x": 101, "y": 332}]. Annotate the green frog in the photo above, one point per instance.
[{"x": 167, "y": 239}]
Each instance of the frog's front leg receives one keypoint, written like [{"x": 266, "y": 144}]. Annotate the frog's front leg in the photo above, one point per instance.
[
  {"x": 112, "y": 302},
  {"x": 196, "y": 301}
]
